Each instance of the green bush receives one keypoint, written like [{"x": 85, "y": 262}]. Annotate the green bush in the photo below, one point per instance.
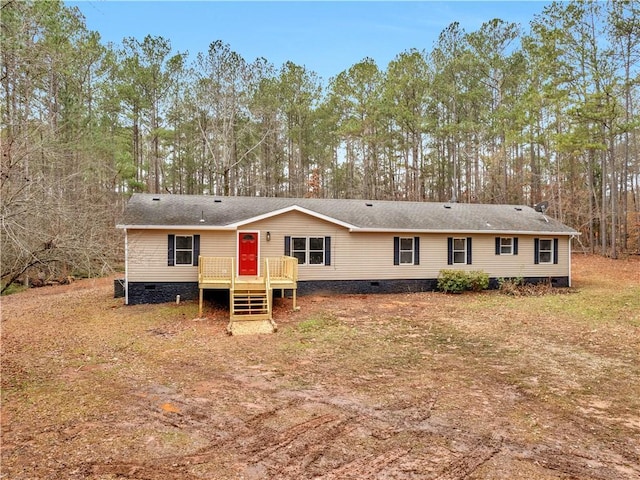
[
  {"x": 457, "y": 281},
  {"x": 478, "y": 280},
  {"x": 453, "y": 281}
]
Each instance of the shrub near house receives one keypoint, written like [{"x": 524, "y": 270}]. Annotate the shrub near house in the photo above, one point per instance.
[{"x": 457, "y": 281}]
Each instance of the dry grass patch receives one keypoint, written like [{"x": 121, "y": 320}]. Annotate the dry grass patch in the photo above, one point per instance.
[{"x": 413, "y": 386}]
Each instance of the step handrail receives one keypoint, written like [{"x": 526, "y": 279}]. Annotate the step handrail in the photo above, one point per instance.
[
  {"x": 267, "y": 285},
  {"x": 233, "y": 274}
]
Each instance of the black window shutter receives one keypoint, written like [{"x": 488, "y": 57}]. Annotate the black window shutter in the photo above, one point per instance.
[
  {"x": 515, "y": 245},
  {"x": 497, "y": 245},
  {"x": 327, "y": 250},
  {"x": 469, "y": 251},
  {"x": 287, "y": 245},
  {"x": 450, "y": 251},
  {"x": 555, "y": 251},
  {"x": 536, "y": 251},
  {"x": 196, "y": 249},
  {"x": 170, "y": 255},
  {"x": 396, "y": 250},
  {"x": 416, "y": 250}
]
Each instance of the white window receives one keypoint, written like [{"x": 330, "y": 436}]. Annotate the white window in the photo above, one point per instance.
[
  {"x": 308, "y": 250},
  {"x": 459, "y": 250},
  {"x": 406, "y": 251},
  {"x": 299, "y": 249},
  {"x": 184, "y": 250},
  {"x": 545, "y": 251},
  {"x": 506, "y": 246}
]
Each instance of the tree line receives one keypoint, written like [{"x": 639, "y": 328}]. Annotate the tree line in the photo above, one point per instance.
[{"x": 503, "y": 114}]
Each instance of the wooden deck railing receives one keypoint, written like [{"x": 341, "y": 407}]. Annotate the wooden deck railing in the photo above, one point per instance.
[
  {"x": 221, "y": 270},
  {"x": 216, "y": 271},
  {"x": 280, "y": 273},
  {"x": 283, "y": 274},
  {"x": 282, "y": 268}
]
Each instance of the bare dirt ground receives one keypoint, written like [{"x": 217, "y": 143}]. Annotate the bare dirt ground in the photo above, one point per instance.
[{"x": 408, "y": 386}]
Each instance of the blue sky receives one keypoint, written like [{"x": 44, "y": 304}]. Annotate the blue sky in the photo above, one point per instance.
[{"x": 327, "y": 37}]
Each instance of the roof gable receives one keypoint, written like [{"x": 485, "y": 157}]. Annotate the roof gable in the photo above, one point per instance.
[{"x": 293, "y": 208}]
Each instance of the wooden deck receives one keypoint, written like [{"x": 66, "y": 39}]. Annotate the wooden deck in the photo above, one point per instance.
[{"x": 249, "y": 297}]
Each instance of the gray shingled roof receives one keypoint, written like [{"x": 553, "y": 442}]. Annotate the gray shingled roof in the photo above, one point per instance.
[{"x": 202, "y": 211}]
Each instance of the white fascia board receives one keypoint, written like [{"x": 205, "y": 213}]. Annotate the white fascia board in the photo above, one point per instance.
[
  {"x": 292, "y": 208},
  {"x": 462, "y": 232},
  {"x": 176, "y": 227}
]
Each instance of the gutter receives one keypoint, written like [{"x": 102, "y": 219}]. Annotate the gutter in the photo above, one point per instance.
[
  {"x": 177, "y": 227},
  {"x": 453, "y": 231},
  {"x": 234, "y": 227}
]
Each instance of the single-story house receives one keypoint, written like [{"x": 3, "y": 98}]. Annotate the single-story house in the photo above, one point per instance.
[{"x": 345, "y": 246}]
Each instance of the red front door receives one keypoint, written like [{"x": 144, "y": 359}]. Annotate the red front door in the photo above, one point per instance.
[{"x": 247, "y": 253}]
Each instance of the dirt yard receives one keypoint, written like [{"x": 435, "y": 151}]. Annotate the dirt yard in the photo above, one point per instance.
[{"x": 410, "y": 386}]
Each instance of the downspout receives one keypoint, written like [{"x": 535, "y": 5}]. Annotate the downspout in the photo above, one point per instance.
[{"x": 126, "y": 267}]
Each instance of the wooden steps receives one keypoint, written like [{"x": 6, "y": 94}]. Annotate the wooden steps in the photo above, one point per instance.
[
  {"x": 251, "y": 302},
  {"x": 250, "y": 297},
  {"x": 251, "y": 310}
]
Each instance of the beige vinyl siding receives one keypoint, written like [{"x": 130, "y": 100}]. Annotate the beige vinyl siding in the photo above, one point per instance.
[
  {"x": 297, "y": 224},
  {"x": 369, "y": 256},
  {"x": 354, "y": 256},
  {"x": 521, "y": 265},
  {"x": 147, "y": 254}
]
